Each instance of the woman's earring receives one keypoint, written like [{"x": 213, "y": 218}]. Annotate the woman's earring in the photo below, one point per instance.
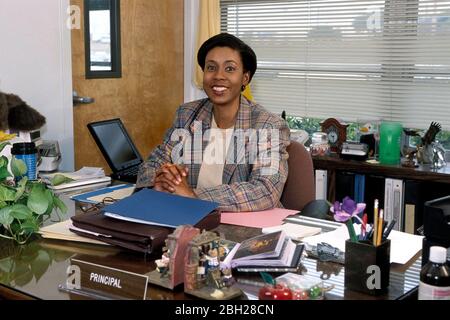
[{"x": 243, "y": 87}]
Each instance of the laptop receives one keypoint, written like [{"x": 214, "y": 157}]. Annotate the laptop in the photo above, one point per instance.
[{"x": 117, "y": 148}]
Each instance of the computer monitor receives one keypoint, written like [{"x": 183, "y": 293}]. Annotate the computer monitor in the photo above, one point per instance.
[
  {"x": 115, "y": 144},
  {"x": 436, "y": 225}
]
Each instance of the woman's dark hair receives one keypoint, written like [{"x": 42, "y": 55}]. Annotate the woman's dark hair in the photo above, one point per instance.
[{"x": 248, "y": 56}]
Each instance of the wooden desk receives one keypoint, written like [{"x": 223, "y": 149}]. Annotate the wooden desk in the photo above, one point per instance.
[{"x": 35, "y": 270}]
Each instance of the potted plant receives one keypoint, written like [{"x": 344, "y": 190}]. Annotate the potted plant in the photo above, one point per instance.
[{"x": 24, "y": 205}]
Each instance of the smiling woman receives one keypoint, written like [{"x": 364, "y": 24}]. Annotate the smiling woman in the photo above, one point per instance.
[{"x": 243, "y": 163}]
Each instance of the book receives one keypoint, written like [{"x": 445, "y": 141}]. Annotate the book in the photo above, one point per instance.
[
  {"x": 272, "y": 250},
  {"x": 160, "y": 208}
]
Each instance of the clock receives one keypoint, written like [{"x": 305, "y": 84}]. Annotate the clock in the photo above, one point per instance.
[{"x": 336, "y": 133}]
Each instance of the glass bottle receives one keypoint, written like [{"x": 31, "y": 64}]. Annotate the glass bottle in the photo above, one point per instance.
[
  {"x": 319, "y": 144},
  {"x": 435, "y": 276}
]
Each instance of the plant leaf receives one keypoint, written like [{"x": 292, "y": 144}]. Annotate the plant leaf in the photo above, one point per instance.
[
  {"x": 3, "y": 161},
  {"x": 59, "y": 204},
  {"x": 21, "y": 212},
  {"x": 4, "y": 173},
  {"x": 21, "y": 188},
  {"x": 7, "y": 194},
  {"x": 3, "y": 145},
  {"x": 49, "y": 195},
  {"x": 37, "y": 201},
  {"x": 5, "y": 217},
  {"x": 60, "y": 179},
  {"x": 267, "y": 278},
  {"x": 18, "y": 167}
]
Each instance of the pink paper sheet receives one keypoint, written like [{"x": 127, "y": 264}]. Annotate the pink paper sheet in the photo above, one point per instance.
[{"x": 257, "y": 219}]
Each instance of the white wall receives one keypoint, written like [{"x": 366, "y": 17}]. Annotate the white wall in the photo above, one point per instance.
[
  {"x": 191, "y": 11},
  {"x": 35, "y": 63}
]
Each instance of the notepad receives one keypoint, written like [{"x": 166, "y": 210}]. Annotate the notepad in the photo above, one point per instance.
[{"x": 160, "y": 208}]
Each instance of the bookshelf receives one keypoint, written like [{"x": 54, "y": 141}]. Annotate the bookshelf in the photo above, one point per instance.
[{"x": 419, "y": 184}]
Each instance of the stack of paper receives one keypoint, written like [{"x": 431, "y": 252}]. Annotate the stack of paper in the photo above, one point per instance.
[
  {"x": 84, "y": 176},
  {"x": 294, "y": 231},
  {"x": 60, "y": 231}
]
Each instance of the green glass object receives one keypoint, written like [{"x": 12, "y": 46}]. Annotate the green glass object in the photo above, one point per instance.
[{"x": 390, "y": 136}]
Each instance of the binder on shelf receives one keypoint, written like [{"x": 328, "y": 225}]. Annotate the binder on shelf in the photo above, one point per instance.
[
  {"x": 360, "y": 181},
  {"x": 321, "y": 184},
  {"x": 393, "y": 204},
  {"x": 413, "y": 206}
]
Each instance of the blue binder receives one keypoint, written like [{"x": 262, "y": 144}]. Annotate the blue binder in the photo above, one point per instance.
[{"x": 159, "y": 208}]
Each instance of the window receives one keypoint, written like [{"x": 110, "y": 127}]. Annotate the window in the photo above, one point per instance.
[
  {"x": 102, "y": 38},
  {"x": 355, "y": 60}
]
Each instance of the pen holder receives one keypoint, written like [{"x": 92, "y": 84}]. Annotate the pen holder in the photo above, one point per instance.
[{"x": 367, "y": 267}]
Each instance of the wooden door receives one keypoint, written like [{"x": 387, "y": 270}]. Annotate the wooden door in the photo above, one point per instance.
[{"x": 151, "y": 87}]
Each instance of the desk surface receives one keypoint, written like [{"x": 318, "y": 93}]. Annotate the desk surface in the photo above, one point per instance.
[{"x": 37, "y": 269}]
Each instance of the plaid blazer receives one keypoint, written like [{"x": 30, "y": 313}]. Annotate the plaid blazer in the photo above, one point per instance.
[{"x": 247, "y": 185}]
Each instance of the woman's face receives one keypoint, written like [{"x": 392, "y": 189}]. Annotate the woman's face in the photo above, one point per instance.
[{"x": 224, "y": 76}]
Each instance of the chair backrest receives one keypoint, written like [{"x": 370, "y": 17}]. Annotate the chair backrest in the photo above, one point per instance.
[{"x": 300, "y": 185}]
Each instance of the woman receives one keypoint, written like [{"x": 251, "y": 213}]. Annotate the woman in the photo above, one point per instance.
[{"x": 224, "y": 148}]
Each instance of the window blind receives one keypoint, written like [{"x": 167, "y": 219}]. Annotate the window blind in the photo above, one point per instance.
[{"x": 354, "y": 60}]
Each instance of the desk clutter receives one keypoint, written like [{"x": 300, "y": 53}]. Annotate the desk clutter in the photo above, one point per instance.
[{"x": 67, "y": 180}]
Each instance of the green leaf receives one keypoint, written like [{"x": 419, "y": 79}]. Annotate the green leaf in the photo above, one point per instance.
[
  {"x": 3, "y": 161},
  {"x": 267, "y": 278},
  {"x": 3, "y": 145},
  {"x": 5, "y": 217},
  {"x": 21, "y": 188},
  {"x": 4, "y": 173},
  {"x": 18, "y": 167},
  {"x": 30, "y": 227},
  {"x": 60, "y": 179},
  {"x": 21, "y": 212},
  {"x": 49, "y": 195},
  {"x": 59, "y": 204},
  {"x": 7, "y": 194},
  {"x": 37, "y": 201}
]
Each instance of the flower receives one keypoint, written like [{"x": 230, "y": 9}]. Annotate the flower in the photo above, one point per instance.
[{"x": 347, "y": 209}]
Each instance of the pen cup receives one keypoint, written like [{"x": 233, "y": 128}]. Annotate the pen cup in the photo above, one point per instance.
[{"x": 367, "y": 267}]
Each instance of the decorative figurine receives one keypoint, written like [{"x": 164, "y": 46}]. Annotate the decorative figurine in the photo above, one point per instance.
[
  {"x": 170, "y": 268},
  {"x": 428, "y": 150},
  {"x": 204, "y": 277}
]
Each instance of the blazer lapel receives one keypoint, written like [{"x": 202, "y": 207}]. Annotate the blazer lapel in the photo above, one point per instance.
[{"x": 243, "y": 123}]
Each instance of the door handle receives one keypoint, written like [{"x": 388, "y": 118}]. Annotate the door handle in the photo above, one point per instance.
[{"x": 81, "y": 100}]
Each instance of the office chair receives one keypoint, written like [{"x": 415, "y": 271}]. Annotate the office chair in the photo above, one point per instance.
[
  {"x": 299, "y": 191},
  {"x": 300, "y": 185}
]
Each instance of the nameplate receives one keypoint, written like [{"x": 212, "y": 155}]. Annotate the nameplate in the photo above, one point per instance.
[{"x": 90, "y": 279}]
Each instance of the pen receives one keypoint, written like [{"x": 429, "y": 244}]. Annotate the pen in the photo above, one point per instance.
[
  {"x": 375, "y": 222},
  {"x": 389, "y": 229},
  {"x": 380, "y": 227},
  {"x": 362, "y": 236}
]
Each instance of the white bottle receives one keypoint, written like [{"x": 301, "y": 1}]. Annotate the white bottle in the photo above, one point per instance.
[{"x": 435, "y": 276}]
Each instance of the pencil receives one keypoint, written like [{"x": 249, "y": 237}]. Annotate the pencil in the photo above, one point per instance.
[
  {"x": 375, "y": 222},
  {"x": 380, "y": 228}
]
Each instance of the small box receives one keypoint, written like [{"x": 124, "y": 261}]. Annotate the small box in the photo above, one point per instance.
[{"x": 367, "y": 267}]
